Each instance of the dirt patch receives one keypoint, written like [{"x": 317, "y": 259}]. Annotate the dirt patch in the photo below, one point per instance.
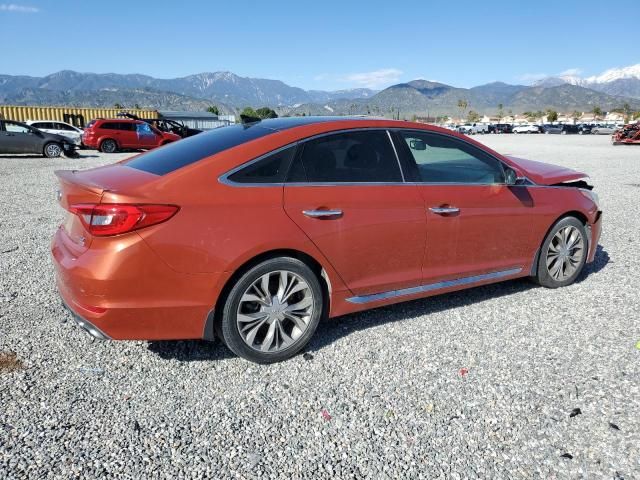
[{"x": 9, "y": 362}]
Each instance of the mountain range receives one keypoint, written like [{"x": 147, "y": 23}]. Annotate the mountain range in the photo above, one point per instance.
[
  {"x": 615, "y": 81},
  {"x": 231, "y": 92}
]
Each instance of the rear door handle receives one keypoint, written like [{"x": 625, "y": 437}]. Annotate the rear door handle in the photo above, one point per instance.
[
  {"x": 323, "y": 214},
  {"x": 444, "y": 210}
]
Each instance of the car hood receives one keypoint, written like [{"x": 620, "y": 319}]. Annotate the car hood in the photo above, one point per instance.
[{"x": 546, "y": 173}]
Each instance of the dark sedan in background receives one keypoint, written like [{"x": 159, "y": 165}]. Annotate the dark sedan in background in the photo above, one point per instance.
[
  {"x": 565, "y": 129},
  {"x": 17, "y": 137}
]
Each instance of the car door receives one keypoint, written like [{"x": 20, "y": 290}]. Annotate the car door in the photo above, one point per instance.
[
  {"x": 476, "y": 224},
  {"x": 346, "y": 192},
  {"x": 65, "y": 130},
  {"x": 19, "y": 138},
  {"x": 146, "y": 136}
]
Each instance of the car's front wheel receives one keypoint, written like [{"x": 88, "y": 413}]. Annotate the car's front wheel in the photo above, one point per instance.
[
  {"x": 52, "y": 150},
  {"x": 563, "y": 254},
  {"x": 272, "y": 311}
]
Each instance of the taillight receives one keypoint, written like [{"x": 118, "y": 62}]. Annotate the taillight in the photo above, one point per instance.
[{"x": 114, "y": 218}]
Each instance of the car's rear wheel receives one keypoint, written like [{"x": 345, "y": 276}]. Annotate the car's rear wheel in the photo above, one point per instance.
[
  {"x": 272, "y": 311},
  {"x": 108, "y": 146},
  {"x": 563, "y": 254},
  {"x": 52, "y": 150}
]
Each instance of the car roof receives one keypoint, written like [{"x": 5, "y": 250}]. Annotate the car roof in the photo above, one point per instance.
[
  {"x": 119, "y": 120},
  {"x": 284, "y": 123}
]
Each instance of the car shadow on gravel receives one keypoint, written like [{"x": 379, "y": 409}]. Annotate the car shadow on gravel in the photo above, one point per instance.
[
  {"x": 333, "y": 329},
  {"x": 190, "y": 350},
  {"x": 336, "y": 328},
  {"x": 601, "y": 260}
]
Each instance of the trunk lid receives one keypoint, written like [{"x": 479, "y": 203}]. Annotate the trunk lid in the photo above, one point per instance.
[
  {"x": 89, "y": 186},
  {"x": 546, "y": 173}
]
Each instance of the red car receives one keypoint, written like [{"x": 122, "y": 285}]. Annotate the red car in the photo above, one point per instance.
[
  {"x": 253, "y": 233},
  {"x": 109, "y": 136}
]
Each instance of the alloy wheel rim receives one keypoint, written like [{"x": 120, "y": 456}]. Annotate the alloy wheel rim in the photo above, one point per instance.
[
  {"x": 53, "y": 150},
  {"x": 275, "y": 311},
  {"x": 565, "y": 253},
  {"x": 109, "y": 146}
]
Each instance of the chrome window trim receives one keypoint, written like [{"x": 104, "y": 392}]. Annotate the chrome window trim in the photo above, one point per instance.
[
  {"x": 224, "y": 178},
  {"x": 429, "y": 287}
]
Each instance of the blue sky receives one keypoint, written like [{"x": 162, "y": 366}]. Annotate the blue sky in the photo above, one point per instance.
[{"x": 322, "y": 44}]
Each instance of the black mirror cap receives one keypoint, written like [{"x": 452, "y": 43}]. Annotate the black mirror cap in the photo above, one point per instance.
[{"x": 510, "y": 176}]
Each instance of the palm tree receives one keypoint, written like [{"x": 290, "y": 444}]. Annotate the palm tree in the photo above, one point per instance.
[
  {"x": 463, "y": 105},
  {"x": 597, "y": 112},
  {"x": 576, "y": 115}
]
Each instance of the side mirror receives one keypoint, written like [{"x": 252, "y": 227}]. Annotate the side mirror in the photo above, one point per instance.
[
  {"x": 417, "y": 144},
  {"x": 511, "y": 176}
]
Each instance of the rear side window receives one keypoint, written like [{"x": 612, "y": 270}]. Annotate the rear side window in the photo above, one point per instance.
[
  {"x": 347, "y": 157},
  {"x": 270, "y": 169},
  {"x": 109, "y": 126},
  {"x": 189, "y": 150},
  {"x": 441, "y": 159}
]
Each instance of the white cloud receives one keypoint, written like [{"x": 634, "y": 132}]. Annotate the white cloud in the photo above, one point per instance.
[
  {"x": 13, "y": 7},
  {"x": 375, "y": 79},
  {"x": 572, "y": 72},
  {"x": 532, "y": 77}
]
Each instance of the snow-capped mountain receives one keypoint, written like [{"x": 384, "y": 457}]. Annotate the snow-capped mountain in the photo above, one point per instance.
[
  {"x": 623, "y": 81},
  {"x": 614, "y": 74}
]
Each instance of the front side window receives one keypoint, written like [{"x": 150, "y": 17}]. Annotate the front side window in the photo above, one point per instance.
[
  {"x": 270, "y": 169},
  {"x": 16, "y": 128},
  {"x": 359, "y": 156},
  {"x": 442, "y": 159}
]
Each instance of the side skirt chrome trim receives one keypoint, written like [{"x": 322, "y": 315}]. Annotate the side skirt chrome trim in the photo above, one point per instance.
[{"x": 433, "y": 286}]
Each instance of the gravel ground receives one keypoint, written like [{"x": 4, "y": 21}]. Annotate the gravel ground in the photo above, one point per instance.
[{"x": 480, "y": 383}]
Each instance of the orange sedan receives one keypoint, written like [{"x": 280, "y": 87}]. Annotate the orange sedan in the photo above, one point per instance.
[{"x": 253, "y": 233}]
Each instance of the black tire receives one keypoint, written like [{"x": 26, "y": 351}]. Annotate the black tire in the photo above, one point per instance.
[
  {"x": 543, "y": 276},
  {"x": 52, "y": 150},
  {"x": 228, "y": 322},
  {"x": 108, "y": 146}
]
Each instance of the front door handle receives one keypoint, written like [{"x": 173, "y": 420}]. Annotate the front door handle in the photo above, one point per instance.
[
  {"x": 323, "y": 214},
  {"x": 444, "y": 210}
]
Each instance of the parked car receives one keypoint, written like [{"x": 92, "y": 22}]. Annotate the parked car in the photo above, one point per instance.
[
  {"x": 473, "y": 128},
  {"x": 165, "y": 125},
  {"x": 112, "y": 135},
  {"x": 627, "y": 135},
  {"x": 18, "y": 137},
  {"x": 501, "y": 128},
  {"x": 560, "y": 129},
  {"x": 604, "y": 129},
  {"x": 527, "y": 128},
  {"x": 64, "y": 129},
  {"x": 253, "y": 233},
  {"x": 584, "y": 129}
]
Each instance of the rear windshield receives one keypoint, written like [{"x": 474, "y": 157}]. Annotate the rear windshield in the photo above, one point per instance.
[{"x": 189, "y": 150}]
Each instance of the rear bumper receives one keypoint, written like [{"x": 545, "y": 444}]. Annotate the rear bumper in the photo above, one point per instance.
[
  {"x": 119, "y": 289},
  {"x": 86, "y": 325}
]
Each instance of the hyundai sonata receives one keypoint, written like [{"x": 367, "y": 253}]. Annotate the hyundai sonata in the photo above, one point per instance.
[{"x": 253, "y": 233}]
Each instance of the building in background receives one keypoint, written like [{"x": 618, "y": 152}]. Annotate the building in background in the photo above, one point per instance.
[
  {"x": 199, "y": 120},
  {"x": 78, "y": 117}
]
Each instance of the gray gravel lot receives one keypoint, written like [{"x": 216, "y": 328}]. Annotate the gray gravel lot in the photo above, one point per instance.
[{"x": 384, "y": 394}]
